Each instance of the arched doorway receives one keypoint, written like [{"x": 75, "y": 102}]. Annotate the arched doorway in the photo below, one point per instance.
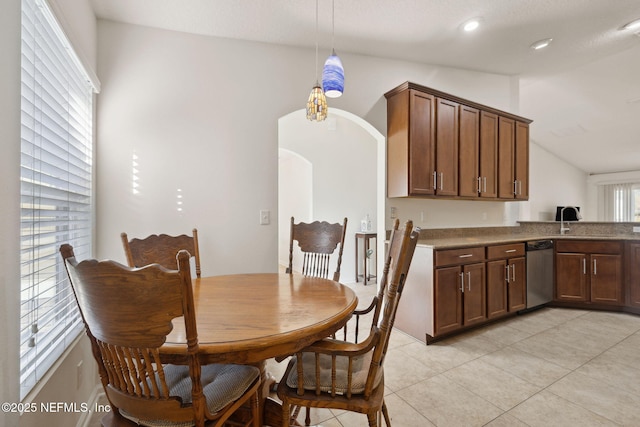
[{"x": 345, "y": 156}]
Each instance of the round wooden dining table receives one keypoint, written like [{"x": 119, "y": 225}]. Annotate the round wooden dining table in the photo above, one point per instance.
[{"x": 249, "y": 318}]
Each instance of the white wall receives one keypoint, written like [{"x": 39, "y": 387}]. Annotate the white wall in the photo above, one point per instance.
[
  {"x": 212, "y": 107},
  {"x": 553, "y": 182}
]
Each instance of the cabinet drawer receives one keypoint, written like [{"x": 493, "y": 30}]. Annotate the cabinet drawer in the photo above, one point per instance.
[
  {"x": 589, "y": 246},
  {"x": 505, "y": 251},
  {"x": 459, "y": 256}
]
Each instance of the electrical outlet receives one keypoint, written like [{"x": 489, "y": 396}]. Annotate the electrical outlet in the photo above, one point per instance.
[
  {"x": 393, "y": 213},
  {"x": 265, "y": 217}
]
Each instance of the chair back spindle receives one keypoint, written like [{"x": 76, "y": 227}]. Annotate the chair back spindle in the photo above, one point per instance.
[{"x": 318, "y": 242}]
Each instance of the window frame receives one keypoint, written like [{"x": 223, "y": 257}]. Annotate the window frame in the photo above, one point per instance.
[{"x": 56, "y": 188}]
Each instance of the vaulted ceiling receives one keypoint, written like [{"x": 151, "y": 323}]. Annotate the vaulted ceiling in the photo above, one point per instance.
[{"x": 582, "y": 91}]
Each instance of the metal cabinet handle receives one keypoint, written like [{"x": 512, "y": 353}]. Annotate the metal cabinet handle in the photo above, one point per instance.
[
  {"x": 465, "y": 255},
  {"x": 513, "y": 272},
  {"x": 462, "y": 282},
  {"x": 519, "y": 187},
  {"x": 595, "y": 267},
  {"x": 479, "y": 184},
  {"x": 510, "y": 251},
  {"x": 441, "y": 181},
  {"x": 515, "y": 187},
  {"x": 435, "y": 180},
  {"x": 484, "y": 184},
  {"x": 469, "y": 281},
  {"x": 507, "y": 274},
  {"x": 584, "y": 266}
]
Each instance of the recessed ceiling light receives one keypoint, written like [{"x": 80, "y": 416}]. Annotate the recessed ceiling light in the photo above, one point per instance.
[
  {"x": 633, "y": 25},
  {"x": 541, "y": 44},
  {"x": 471, "y": 24}
]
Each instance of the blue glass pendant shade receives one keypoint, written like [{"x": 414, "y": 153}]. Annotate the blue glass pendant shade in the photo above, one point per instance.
[{"x": 333, "y": 76}]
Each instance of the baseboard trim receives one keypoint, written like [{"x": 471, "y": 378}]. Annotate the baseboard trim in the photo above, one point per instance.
[{"x": 96, "y": 394}]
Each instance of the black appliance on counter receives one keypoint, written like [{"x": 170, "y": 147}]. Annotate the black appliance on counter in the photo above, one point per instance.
[{"x": 571, "y": 213}]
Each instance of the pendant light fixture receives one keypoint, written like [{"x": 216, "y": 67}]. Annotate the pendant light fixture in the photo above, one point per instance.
[
  {"x": 317, "y": 103},
  {"x": 333, "y": 71}
]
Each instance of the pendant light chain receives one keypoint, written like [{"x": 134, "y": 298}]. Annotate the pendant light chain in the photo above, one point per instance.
[
  {"x": 333, "y": 71},
  {"x": 317, "y": 103},
  {"x": 316, "y": 69},
  {"x": 333, "y": 25}
]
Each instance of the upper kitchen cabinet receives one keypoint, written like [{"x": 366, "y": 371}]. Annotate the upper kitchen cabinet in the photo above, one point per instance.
[
  {"x": 411, "y": 144},
  {"x": 470, "y": 183},
  {"x": 513, "y": 159},
  {"x": 439, "y": 145},
  {"x": 488, "y": 164},
  {"x": 521, "y": 156},
  {"x": 447, "y": 136}
]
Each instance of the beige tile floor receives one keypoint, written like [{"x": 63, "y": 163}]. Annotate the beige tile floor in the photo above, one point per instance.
[{"x": 550, "y": 367}]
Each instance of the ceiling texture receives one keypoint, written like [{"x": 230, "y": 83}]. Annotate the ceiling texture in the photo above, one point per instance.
[{"x": 582, "y": 91}]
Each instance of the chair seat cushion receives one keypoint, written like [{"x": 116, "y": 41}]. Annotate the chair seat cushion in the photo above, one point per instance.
[
  {"x": 360, "y": 371},
  {"x": 221, "y": 385}
]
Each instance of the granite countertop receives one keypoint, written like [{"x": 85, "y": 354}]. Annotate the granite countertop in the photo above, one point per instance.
[
  {"x": 526, "y": 231},
  {"x": 465, "y": 242}
]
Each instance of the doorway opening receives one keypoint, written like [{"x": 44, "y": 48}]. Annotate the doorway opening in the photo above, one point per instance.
[{"x": 328, "y": 171}]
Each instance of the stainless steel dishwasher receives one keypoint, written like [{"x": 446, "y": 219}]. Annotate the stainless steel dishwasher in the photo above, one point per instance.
[{"x": 539, "y": 273}]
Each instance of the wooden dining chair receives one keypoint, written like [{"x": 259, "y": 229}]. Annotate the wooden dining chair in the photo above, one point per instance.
[
  {"x": 318, "y": 242},
  {"x": 127, "y": 313},
  {"x": 160, "y": 249},
  {"x": 342, "y": 375}
]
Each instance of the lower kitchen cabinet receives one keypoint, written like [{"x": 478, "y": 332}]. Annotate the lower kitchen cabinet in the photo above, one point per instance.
[
  {"x": 571, "y": 280},
  {"x": 459, "y": 296},
  {"x": 451, "y": 290},
  {"x": 589, "y": 272},
  {"x": 632, "y": 252},
  {"x": 517, "y": 284},
  {"x": 506, "y": 279},
  {"x": 606, "y": 279}
]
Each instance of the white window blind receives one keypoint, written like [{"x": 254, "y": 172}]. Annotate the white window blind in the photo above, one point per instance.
[
  {"x": 620, "y": 203},
  {"x": 56, "y": 188}
]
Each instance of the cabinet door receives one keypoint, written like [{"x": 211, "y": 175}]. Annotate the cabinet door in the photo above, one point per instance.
[
  {"x": 606, "y": 279},
  {"x": 571, "y": 277},
  {"x": 488, "y": 154},
  {"x": 448, "y": 300},
  {"x": 633, "y": 265},
  {"x": 496, "y": 288},
  {"x": 446, "y": 147},
  {"x": 470, "y": 182},
  {"x": 421, "y": 143},
  {"x": 506, "y": 146},
  {"x": 474, "y": 294},
  {"x": 521, "y": 160},
  {"x": 517, "y": 284}
]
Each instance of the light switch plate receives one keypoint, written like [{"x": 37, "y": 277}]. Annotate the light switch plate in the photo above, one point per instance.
[
  {"x": 265, "y": 217},
  {"x": 636, "y": 229}
]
